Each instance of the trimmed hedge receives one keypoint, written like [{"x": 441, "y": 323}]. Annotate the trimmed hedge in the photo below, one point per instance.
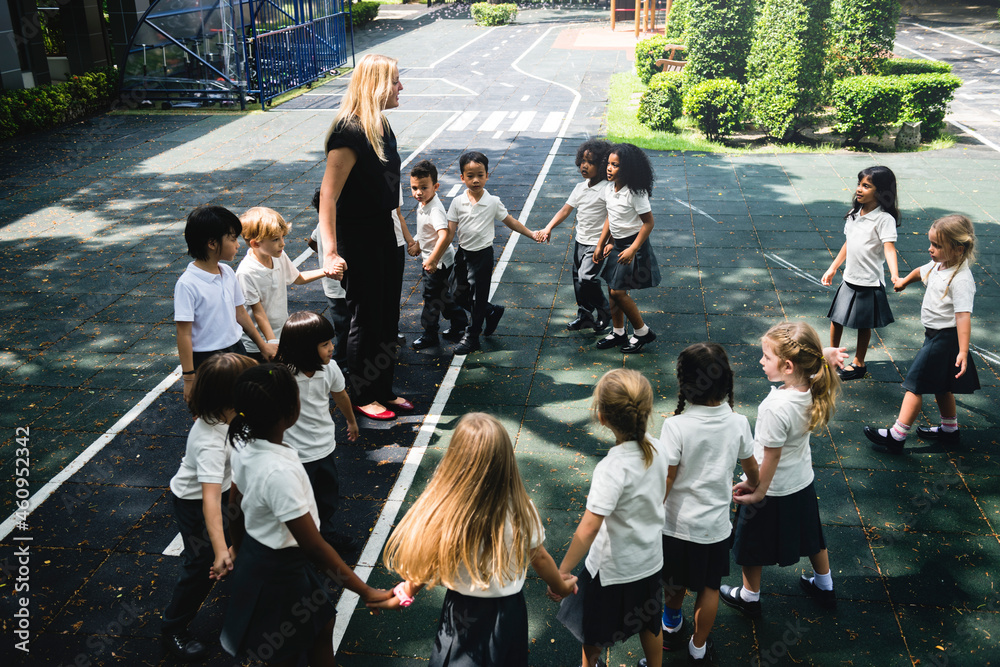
[
  {"x": 32, "y": 109},
  {"x": 785, "y": 67},
  {"x": 867, "y": 105},
  {"x": 901, "y": 66},
  {"x": 926, "y": 99},
  {"x": 718, "y": 39},
  {"x": 647, "y": 52},
  {"x": 676, "y": 28},
  {"x": 661, "y": 104},
  {"x": 485, "y": 13},
  {"x": 716, "y": 105},
  {"x": 862, "y": 32},
  {"x": 363, "y": 13}
]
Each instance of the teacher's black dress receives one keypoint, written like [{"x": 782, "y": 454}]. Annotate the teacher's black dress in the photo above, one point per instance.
[{"x": 366, "y": 241}]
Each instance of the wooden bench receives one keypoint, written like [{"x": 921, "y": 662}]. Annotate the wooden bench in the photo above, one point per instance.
[{"x": 671, "y": 64}]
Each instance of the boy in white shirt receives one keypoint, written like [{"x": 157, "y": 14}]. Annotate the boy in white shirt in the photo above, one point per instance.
[
  {"x": 471, "y": 217},
  {"x": 265, "y": 273},
  {"x": 434, "y": 236}
]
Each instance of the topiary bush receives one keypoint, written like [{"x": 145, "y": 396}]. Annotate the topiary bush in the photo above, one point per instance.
[
  {"x": 675, "y": 30},
  {"x": 661, "y": 104},
  {"x": 485, "y": 13},
  {"x": 647, "y": 52},
  {"x": 785, "y": 67},
  {"x": 718, "y": 39},
  {"x": 32, "y": 109},
  {"x": 926, "y": 98},
  {"x": 867, "y": 105},
  {"x": 363, "y": 13},
  {"x": 901, "y": 66},
  {"x": 716, "y": 105},
  {"x": 862, "y": 33}
]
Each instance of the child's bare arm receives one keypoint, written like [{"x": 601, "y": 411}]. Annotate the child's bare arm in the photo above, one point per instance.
[
  {"x": 343, "y": 402},
  {"x": 628, "y": 254},
  {"x": 671, "y": 477},
  {"x": 584, "y": 536},
  {"x": 912, "y": 277},
  {"x": 444, "y": 240},
  {"x": 259, "y": 316},
  {"x": 308, "y": 276},
  {"x": 827, "y": 278},
  {"x": 559, "y": 586},
  {"x": 889, "y": 248},
  {"x": 745, "y": 493},
  {"x": 266, "y": 349},
  {"x": 556, "y": 220},
  {"x": 751, "y": 470},
  {"x": 600, "y": 251},
  {"x": 512, "y": 222},
  {"x": 185, "y": 351},
  {"x": 963, "y": 324},
  {"x": 211, "y": 507}
]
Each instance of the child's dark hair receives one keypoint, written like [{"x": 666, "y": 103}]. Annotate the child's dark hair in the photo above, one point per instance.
[
  {"x": 599, "y": 149},
  {"x": 212, "y": 394},
  {"x": 634, "y": 169},
  {"x": 703, "y": 375},
  {"x": 302, "y": 333},
  {"x": 885, "y": 191},
  {"x": 623, "y": 398},
  {"x": 209, "y": 223},
  {"x": 425, "y": 169},
  {"x": 315, "y": 200},
  {"x": 473, "y": 156},
  {"x": 262, "y": 395}
]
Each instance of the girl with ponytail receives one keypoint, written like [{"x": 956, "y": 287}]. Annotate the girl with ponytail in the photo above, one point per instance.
[
  {"x": 777, "y": 519},
  {"x": 619, "y": 588}
]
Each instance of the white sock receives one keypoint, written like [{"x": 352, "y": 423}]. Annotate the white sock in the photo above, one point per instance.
[
  {"x": 899, "y": 431},
  {"x": 749, "y": 596},
  {"x": 824, "y": 582},
  {"x": 618, "y": 331},
  {"x": 643, "y": 330},
  {"x": 696, "y": 652},
  {"x": 948, "y": 424}
]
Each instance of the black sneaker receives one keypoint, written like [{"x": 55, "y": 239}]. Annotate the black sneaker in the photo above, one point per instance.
[
  {"x": 730, "y": 596},
  {"x": 884, "y": 443},
  {"x": 936, "y": 433},
  {"x": 425, "y": 341},
  {"x": 455, "y": 333},
  {"x": 470, "y": 343},
  {"x": 708, "y": 658},
  {"x": 492, "y": 320},
  {"x": 184, "y": 647},
  {"x": 675, "y": 641},
  {"x": 640, "y": 341},
  {"x": 826, "y": 599},
  {"x": 612, "y": 340},
  {"x": 580, "y": 323}
]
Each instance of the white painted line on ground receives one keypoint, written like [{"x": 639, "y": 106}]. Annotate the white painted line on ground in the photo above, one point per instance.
[
  {"x": 918, "y": 37},
  {"x": 434, "y": 135},
  {"x": 996, "y": 111},
  {"x": 525, "y": 98},
  {"x": 366, "y": 563},
  {"x": 985, "y": 354},
  {"x": 969, "y": 83},
  {"x": 512, "y": 114},
  {"x": 455, "y": 189},
  {"x": 552, "y": 121},
  {"x": 796, "y": 270},
  {"x": 981, "y": 61},
  {"x": 176, "y": 546},
  {"x": 973, "y": 133},
  {"x": 694, "y": 208},
  {"x": 505, "y": 85},
  {"x": 303, "y": 256},
  {"x": 450, "y": 54},
  {"x": 394, "y": 111},
  {"x": 463, "y": 121},
  {"x": 523, "y": 121},
  {"x": 995, "y": 71},
  {"x": 492, "y": 121},
  {"x": 476, "y": 72},
  {"x": 922, "y": 55},
  {"x": 498, "y": 134},
  {"x": 961, "y": 39},
  {"x": 473, "y": 64}
]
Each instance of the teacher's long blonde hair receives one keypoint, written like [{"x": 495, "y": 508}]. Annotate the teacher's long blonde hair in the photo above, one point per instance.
[{"x": 367, "y": 94}]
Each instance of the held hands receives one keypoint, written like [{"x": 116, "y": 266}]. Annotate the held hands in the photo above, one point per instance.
[
  {"x": 378, "y": 598},
  {"x": 430, "y": 268},
  {"x": 269, "y": 350},
  {"x": 222, "y": 566},
  {"x": 188, "y": 386},
  {"x": 827, "y": 278},
  {"x": 543, "y": 235},
  {"x": 413, "y": 247},
  {"x": 744, "y": 494},
  {"x": 335, "y": 267},
  {"x": 568, "y": 588},
  {"x": 898, "y": 284},
  {"x": 600, "y": 252},
  {"x": 625, "y": 256}
]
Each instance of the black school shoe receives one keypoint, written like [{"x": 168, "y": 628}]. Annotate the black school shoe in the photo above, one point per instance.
[
  {"x": 884, "y": 443},
  {"x": 454, "y": 334},
  {"x": 612, "y": 340},
  {"x": 493, "y": 320},
  {"x": 640, "y": 341},
  {"x": 708, "y": 658},
  {"x": 826, "y": 599},
  {"x": 184, "y": 647},
  {"x": 935, "y": 433},
  {"x": 425, "y": 341},
  {"x": 730, "y": 596},
  {"x": 675, "y": 641},
  {"x": 470, "y": 343}
]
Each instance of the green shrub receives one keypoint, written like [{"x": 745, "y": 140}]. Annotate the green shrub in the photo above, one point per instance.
[
  {"x": 485, "y": 13},
  {"x": 364, "y": 12},
  {"x": 901, "y": 66},
  {"x": 647, "y": 52},
  {"x": 867, "y": 105},
  {"x": 32, "y": 109},
  {"x": 716, "y": 105},
  {"x": 718, "y": 39},
  {"x": 661, "y": 104},
  {"x": 862, "y": 33},
  {"x": 926, "y": 98},
  {"x": 785, "y": 67},
  {"x": 675, "y": 30}
]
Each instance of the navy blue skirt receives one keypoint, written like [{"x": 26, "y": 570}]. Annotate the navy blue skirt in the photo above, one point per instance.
[
  {"x": 481, "y": 632},
  {"x": 778, "y": 530},
  {"x": 860, "y": 307},
  {"x": 933, "y": 370},
  {"x": 693, "y": 566},
  {"x": 600, "y": 615},
  {"x": 643, "y": 272}
]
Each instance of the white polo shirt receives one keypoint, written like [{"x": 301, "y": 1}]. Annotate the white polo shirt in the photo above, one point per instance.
[
  {"x": 431, "y": 217},
  {"x": 938, "y": 309},
  {"x": 314, "y": 435},
  {"x": 209, "y": 301},
  {"x": 591, "y": 210},
  {"x": 624, "y": 209},
  {"x": 705, "y": 442},
  {"x": 630, "y": 498},
  {"x": 267, "y": 286},
  {"x": 783, "y": 421},
  {"x": 331, "y": 288},
  {"x": 475, "y": 220},
  {"x": 866, "y": 235},
  {"x": 495, "y": 590},
  {"x": 205, "y": 461},
  {"x": 275, "y": 489}
]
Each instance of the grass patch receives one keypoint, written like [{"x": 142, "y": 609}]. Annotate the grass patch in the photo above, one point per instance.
[{"x": 946, "y": 140}]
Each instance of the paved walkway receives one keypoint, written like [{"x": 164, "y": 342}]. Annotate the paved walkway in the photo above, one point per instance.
[{"x": 91, "y": 229}]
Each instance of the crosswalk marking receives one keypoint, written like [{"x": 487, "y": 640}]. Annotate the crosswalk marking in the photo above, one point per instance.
[
  {"x": 493, "y": 121},
  {"x": 552, "y": 122},
  {"x": 498, "y": 122},
  {"x": 463, "y": 121},
  {"x": 523, "y": 121},
  {"x": 455, "y": 189}
]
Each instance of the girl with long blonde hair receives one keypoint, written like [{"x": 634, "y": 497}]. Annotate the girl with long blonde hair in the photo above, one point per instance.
[
  {"x": 359, "y": 192},
  {"x": 777, "y": 520},
  {"x": 474, "y": 530}
]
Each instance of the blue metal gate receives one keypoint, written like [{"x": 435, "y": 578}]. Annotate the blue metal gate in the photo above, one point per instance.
[{"x": 207, "y": 52}]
